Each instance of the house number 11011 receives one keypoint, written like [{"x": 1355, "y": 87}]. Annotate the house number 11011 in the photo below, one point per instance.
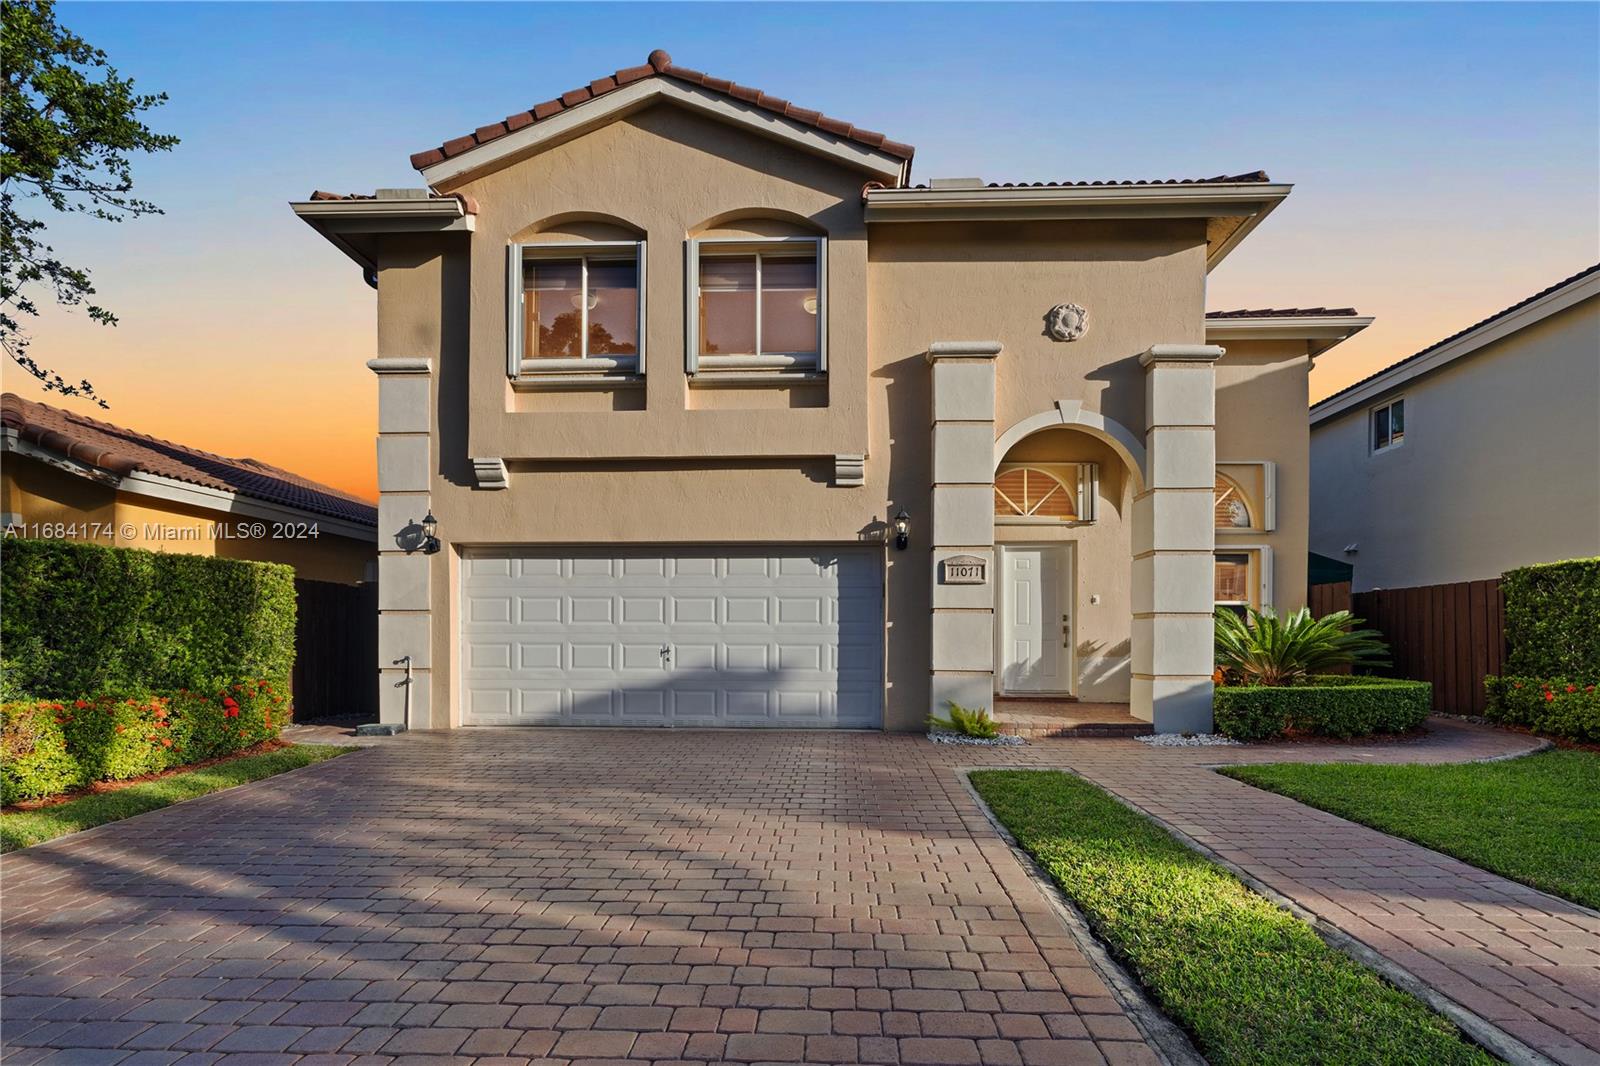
[{"x": 965, "y": 570}]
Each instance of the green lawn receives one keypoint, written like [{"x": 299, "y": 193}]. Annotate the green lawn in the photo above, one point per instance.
[
  {"x": 1250, "y": 982},
  {"x": 23, "y": 828},
  {"x": 1535, "y": 819}
]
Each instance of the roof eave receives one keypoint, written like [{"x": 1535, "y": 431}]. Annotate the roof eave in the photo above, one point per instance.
[
  {"x": 347, "y": 223},
  {"x": 1412, "y": 367},
  {"x": 454, "y": 170},
  {"x": 1320, "y": 332},
  {"x": 1248, "y": 202},
  {"x": 158, "y": 486}
]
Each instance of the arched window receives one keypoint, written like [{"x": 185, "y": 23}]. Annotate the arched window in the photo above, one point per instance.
[
  {"x": 1232, "y": 509},
  {"x": 1033, "y": 492}
]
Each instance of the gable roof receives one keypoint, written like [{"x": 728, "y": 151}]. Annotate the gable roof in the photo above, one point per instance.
[
  {"x": 1525, "y": 312},
  {"x": 122, "y": 452},
  {"x": 658, "y": 65}
]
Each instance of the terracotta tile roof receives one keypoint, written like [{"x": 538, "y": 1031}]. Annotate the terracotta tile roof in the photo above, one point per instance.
[
  {"x": 468, "y": 204},
  {"x": 1254, "y": 177},
  {"x": 1436, "y": 345},
  {"x": 659, "y": 64},
  {"x": 1286, "y": 312},
  {"x": 123, "y": 451}
]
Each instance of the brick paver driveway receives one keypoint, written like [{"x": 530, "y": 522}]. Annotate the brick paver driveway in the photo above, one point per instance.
[
  {"x": 560, "y": 896},
  {"x": 587, "y": 895}
]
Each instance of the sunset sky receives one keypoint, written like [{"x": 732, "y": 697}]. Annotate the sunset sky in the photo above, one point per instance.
[{"x": 1445, "y": 159}]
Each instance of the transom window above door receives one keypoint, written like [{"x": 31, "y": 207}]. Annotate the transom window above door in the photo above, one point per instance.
[
  {"x": 757, "y": 304},
  {"x": 576, "y": 307},
  {"x": 1035, "y": 492}
]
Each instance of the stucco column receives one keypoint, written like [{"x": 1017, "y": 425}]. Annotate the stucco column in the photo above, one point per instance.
[
  {"x": 404, "y": 616},
  {"x": 962, "y": 528},
  {"x": 1173, "y": 540}
]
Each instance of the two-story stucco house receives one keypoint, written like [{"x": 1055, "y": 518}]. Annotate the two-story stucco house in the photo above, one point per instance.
[
  {"x": 1476, "y": 455},
  {"x": 722, "y": 421}
]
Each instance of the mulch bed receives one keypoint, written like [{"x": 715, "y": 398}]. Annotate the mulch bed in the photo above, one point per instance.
[{"x": 59, "y": 798}]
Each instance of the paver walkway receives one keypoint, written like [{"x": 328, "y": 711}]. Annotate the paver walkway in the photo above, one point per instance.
[
  {"x": 583, "y": 895},
  {"x": 1526, "y": 962}
]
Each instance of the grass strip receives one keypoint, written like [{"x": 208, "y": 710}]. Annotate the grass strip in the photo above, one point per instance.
[
  {"x": 20, "y": 829},
  {"x": 1532, "y": 819},
  {"x": 1250, "y": 982}
]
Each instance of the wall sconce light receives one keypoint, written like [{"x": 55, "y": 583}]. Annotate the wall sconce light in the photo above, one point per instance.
[
  {"x": 422, "y": 537},
  {"x": 902, "y": 530}
]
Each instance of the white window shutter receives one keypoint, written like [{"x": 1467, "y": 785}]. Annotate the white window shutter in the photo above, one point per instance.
[
  {"x": 513, "y": 310},
  {"x": 691, "y": 306},
  {"x": 1269, "y": 492},
  {"x": 822, "y": 304},
  {"x": 1088, "y": 492}
]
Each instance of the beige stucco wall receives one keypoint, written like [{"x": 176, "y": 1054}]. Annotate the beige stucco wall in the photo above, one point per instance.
[
  {"x": 1262, "y": 394},
  {"x": 1498, "y": 469},
  {"x": 43, "y": 495},
  {"x": 672, "y": 463}
]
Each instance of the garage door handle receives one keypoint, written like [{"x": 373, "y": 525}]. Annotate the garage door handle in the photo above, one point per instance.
[{"x": 666, "y": 655}]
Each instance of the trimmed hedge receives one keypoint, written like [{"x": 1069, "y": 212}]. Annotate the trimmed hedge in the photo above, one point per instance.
[
  {"x": 1331, "y": 705},
  {"x": 1561, "y": 707},
  {"x": 52, "y": 746},
  {"x": 87, "y": 618},
  {"x": 1553, "y": 621}
]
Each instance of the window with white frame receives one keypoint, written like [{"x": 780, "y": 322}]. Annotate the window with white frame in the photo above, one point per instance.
[
  {"x": 1389, "y": 425},
  {"x": 576, "y": 307},
  {"x": 757, "y": 304},
  {"x": 1243, "y": 578}
]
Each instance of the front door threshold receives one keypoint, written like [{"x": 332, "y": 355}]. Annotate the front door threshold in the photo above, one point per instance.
[{"x": 1038, "y": 697}]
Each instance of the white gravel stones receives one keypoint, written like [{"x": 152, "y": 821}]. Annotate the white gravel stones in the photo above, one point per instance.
[
  {"x": 1188, "y": 740},
  {"x": 1002, "y": 741}
]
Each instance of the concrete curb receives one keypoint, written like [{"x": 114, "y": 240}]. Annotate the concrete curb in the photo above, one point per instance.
[{"x": 1171, "y": 1043}]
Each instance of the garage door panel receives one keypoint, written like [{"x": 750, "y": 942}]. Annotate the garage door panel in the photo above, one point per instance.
[{"x": 768, "y": 636}]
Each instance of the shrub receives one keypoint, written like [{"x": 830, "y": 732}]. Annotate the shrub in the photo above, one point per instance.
[
  {"x": 115, "y": 738},
  {"x": 52, "y": 746},
  {"x": 1266, "y": 650},
  {"x": 1332, "y": 706},
  {"x": 33, "y": 752},
  {"x": 968, "y": 723},
  {"x": 1553, "y": 621},
  {"x": 1561, "y": 707},
  {"x": 84, "y": 618}
]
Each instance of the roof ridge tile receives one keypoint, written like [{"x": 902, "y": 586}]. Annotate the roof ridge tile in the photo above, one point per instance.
[{"x": 658, "y": 64}]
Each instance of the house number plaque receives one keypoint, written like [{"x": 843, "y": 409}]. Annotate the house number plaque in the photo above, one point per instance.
[{"x": 965, "y": 570}]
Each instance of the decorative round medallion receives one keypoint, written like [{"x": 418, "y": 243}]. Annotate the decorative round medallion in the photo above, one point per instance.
[{"x": 1066, "y": 322}]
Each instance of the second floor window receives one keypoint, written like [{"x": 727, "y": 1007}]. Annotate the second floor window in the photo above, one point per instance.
[
  {"x": 1388, "y": 425},
  {"x": 580, "y": 307},
  {"x": 757, "y": 304},
  {"x": 576, "y": 307}
]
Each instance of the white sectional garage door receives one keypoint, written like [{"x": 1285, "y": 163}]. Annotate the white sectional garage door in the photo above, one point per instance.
[{"x": 774, "y": 636}]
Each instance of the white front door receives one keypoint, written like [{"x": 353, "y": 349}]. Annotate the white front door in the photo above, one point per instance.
[{"x": 1036, "y": 626}]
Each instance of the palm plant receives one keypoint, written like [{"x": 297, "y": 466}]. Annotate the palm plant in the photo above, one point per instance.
[
  {"x": 968, "y": 723},
  {"x": 1263, "y": 649}
]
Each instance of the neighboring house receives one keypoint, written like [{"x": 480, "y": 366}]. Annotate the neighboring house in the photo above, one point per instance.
[
  {"x": 1477, "y": 454},
  {"x": 75, "y": 478},
  {"x": 725, "y": 422}
]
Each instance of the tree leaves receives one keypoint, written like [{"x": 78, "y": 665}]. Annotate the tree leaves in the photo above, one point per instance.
[{"x": 71, "y": 126}]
